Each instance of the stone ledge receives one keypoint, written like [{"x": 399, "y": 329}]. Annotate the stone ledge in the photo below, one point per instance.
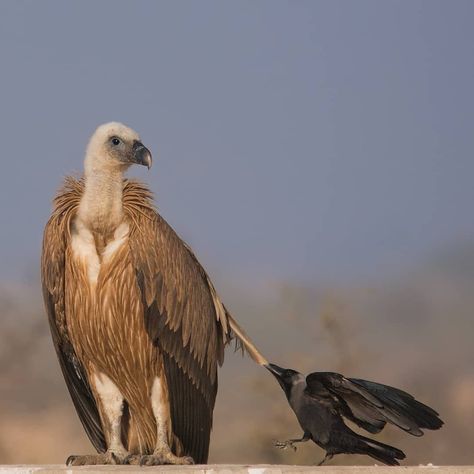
[{"x": 235, "y": 469}]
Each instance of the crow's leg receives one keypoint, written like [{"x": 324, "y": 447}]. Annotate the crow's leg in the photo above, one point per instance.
[
  {"x": 328, "y": 457},
  {"x": 110, "y": 403},
  {"x": 290, "y": 443},
  {"x": 162, "y": 453}
]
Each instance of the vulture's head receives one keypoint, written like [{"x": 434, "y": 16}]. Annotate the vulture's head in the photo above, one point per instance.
[{"x": 114, "y": 146}]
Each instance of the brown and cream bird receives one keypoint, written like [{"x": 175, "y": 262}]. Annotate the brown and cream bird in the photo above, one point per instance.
[{"x": 137, "y": 325}]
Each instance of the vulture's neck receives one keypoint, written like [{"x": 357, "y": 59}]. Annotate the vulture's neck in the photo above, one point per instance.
[{"x": 101, "y": 208}]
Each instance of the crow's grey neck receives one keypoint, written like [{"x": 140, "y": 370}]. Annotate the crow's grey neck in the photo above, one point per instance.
[{"x": 297, "y": 391}]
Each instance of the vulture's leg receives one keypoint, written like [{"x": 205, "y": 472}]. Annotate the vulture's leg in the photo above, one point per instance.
[
  {"x": 290, "y": 443},
  {"x": 162, "y": 453},
  {"x": 110, "y": 402}
]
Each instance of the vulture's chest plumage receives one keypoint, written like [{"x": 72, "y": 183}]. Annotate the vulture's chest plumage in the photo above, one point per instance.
[
  {"x": 104, "y": 309},
  {"x": 105, "y": 320}
]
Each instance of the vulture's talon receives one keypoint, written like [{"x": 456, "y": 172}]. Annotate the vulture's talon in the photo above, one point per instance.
[
  {"x": 188, "y": 460},
  {"x": 70, "y": 459},
  {"x": 109, "y": 458},
  {"x": 132, "y": 459},
  {"x": 158, "y": 459}
]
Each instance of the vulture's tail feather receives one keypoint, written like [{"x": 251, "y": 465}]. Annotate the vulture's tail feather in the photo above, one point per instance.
[{"x": 244, "y": 342}]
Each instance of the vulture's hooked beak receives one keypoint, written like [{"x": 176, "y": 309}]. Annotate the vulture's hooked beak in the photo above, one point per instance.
[{"x": 141, "y": 155}]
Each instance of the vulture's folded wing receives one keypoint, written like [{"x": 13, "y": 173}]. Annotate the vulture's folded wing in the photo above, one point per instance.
[
  {"x": 371, "y": 405},
  {"x": 183, "y": 316},
  {"x": 52, "y": 276}
]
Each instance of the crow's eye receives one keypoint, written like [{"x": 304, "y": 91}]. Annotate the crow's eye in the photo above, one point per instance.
[{"x": 115, "y": 141}]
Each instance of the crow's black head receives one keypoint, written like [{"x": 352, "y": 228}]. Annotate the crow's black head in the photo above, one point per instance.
[{"x": 286, "y": 377}]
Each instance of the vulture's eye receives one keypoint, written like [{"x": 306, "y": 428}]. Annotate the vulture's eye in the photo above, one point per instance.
[{"x": 115, "y": 141}]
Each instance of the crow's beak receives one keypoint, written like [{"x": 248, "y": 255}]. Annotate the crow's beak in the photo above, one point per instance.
[
  {"x": 275, "y": 370},
  {"x": 141, "y": 154}
]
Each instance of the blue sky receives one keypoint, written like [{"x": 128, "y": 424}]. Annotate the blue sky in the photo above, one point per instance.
[{"x": 304, "y": 140}]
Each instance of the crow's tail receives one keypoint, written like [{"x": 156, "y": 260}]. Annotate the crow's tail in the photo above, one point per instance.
[{"x": 379, "y": 451}]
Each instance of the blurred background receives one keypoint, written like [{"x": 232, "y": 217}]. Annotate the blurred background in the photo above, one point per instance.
[{"x": 317, "y": 156}]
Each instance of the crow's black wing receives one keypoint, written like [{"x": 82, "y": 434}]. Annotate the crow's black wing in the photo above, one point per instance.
[
  {"x": 371, "y": 405},
  {"x": 423, "y": 415}
]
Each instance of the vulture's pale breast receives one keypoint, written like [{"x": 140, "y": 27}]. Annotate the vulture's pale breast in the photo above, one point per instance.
[{"x": 106, "y": 323}]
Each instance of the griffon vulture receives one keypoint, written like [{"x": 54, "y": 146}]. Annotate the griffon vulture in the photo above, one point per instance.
[{"x": 137, "y": 325}]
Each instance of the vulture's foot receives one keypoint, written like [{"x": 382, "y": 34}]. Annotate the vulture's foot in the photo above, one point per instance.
[
  {"x": 158, "y": 459},
  {"x": 108, "y": 457},
  {"x": 285, "y": 444}
]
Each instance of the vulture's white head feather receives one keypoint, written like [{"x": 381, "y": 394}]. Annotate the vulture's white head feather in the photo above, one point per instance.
[
  {"x": 111, "y": 150},
  {"x": 114, "y": 147}
]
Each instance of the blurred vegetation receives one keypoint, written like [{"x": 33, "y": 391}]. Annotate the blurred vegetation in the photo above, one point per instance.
[{"x": 413, "y": 331}]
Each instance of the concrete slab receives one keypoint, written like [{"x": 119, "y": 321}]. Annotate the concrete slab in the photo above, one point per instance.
[{"x": 237, "y": 469}]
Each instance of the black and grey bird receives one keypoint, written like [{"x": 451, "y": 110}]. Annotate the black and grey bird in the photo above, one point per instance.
[{"x": 322, "y": 399}]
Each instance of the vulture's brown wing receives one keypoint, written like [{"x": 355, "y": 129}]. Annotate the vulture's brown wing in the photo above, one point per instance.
[
  {"x": 185, "y": 320},
  {"x": 52, "y": 276}
]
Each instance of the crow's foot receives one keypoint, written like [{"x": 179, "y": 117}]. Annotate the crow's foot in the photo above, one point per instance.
[
  {"x": 158, "y": 459},
  {"x": 328, "y": 457},
  {"x": 284, "y": 444},
  {"x": 108, "y": 457}
]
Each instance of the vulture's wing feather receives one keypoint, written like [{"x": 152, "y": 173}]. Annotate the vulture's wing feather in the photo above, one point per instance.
[
  {"x": 183, "y": 316},
  {"x": 371, "y": 405},
  {"x": 52, "y": 275},
  {"x": 78, "y": 386}
]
